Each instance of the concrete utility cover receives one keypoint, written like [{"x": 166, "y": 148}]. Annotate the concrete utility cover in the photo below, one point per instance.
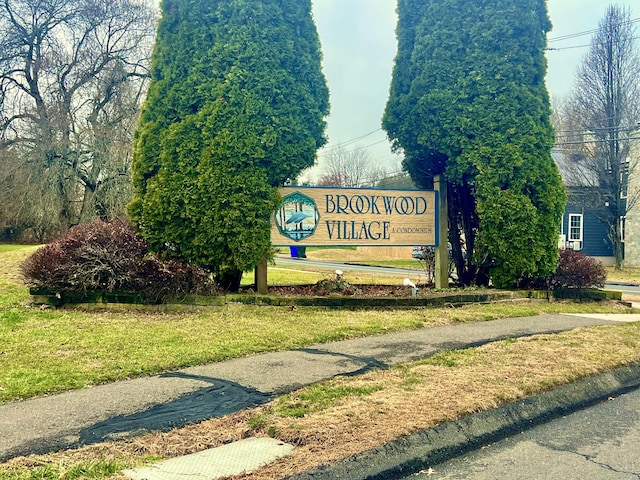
[{"x": 232, "y": 459}]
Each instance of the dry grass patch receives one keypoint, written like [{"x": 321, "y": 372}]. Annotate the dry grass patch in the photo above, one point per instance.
[
  {"x": 628, "y": 274},
  {"x": 338, "y": 255},
  {"x": 445, "y": 387},
  {"x": 386, "y": 404},
  {"x": 12, "y": 288}
]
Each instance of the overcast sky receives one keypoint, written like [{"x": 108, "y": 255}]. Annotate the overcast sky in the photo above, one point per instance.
[{"x": 359, "y": 45}]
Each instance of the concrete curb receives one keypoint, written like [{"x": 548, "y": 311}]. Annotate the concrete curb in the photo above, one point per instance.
[{"x": 425, "y": 449}]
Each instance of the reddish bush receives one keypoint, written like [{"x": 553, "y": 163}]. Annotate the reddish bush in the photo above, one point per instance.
[
  {"x": 576, "y": 270},
  {"x": 110, "y": 257}
]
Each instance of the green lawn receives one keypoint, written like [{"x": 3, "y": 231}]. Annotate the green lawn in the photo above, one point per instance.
[
  {"x": 48, "y": 351},
  {"x": 12, "y": 248},
  {"x": 410, "y": 264}
]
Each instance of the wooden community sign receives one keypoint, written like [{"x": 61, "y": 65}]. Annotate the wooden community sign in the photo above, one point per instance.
[{"x": 319, "y": 216}]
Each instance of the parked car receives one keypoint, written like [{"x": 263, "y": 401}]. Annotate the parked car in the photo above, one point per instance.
[
  {"x": 424, "y": 252},
  {"x": 421, "y": 253}
]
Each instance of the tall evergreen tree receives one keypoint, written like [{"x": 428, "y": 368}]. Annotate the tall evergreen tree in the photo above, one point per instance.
[
  {"x": 468, "y": 100},
  {"x": 235, "y": 108}
]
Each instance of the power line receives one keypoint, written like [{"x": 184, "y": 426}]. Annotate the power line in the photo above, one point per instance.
[
  {"x": 573, "y": 35},
  {"x": 587, "y": 142},
  {"x": 373, "y": 180},
  {"x": 356, "y": 149},
  {"x": 353, "y": 140},
  {"x": 590, "y": 32},
  {"x": 593, "y": 131},
  {"x": 554, "y": 49},
  {"x": 584, "y": 33},
  {"x": 363, "y": 147},
  {"x": 599, "y": 132}
]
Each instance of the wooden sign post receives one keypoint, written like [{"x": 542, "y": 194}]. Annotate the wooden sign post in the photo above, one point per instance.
[
  {"x": 442, "y": 250},
  {"x": 261, "y": 277}
]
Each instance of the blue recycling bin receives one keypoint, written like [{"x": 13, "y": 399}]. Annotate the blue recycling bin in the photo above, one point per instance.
[{"x": 294, "y": 252}]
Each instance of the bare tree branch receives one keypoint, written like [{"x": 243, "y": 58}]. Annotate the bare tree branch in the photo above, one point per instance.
[
  {"x": 72, "y": 76},
  {"x": 600, "y": 123},
  {"x": 353, "y": 168}
]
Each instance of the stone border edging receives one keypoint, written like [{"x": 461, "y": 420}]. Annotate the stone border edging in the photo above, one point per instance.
[
  {"x": 105, "y": 300},
  {"x": 411, "y": 454}
]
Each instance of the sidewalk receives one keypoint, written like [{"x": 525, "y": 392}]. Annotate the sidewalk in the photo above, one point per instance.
[{"x": 128, "y": 408}]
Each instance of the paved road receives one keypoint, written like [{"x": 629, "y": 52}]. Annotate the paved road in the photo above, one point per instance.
[
  {"x": 348, "y": 267},
  {"x": 626, "y": 289},
  {"x": 601, "y": 442}
]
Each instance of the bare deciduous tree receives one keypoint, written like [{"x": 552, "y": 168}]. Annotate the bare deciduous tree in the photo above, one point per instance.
[
  {"x": 349, "y": 168},
  {"x": 601, "y": 122},
  {"x": 72, "y": 74}
]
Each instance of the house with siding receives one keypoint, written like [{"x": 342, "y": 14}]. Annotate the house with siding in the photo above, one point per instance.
[
  {"x": 632, "y": 226},
  {"x": 582, "y": 230},
  {"x": 581, "y": 227}
]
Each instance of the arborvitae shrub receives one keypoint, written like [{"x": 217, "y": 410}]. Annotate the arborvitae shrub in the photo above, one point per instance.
[
  {"x": 110, "y": 257},
  {"x": 576, "y": 270},
  {"x": 235, "y": 108}
]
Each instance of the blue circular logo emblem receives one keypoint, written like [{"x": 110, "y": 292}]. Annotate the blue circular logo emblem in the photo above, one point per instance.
[{"x": 298, "y": 216}]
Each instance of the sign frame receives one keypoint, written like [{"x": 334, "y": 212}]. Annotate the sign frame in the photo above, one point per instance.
[{"x": 343, "y": 216}]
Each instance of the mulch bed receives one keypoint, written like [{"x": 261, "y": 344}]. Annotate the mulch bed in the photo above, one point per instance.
[{"x": 315, "y": 290}]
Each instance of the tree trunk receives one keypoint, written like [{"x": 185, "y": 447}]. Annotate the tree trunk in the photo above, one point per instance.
[{"x": 230, "y": 280}]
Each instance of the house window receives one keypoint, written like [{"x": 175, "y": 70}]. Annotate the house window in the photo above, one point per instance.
[
  {"x": 623, "y": 227},
  {"x": 575, "y": 228}
]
